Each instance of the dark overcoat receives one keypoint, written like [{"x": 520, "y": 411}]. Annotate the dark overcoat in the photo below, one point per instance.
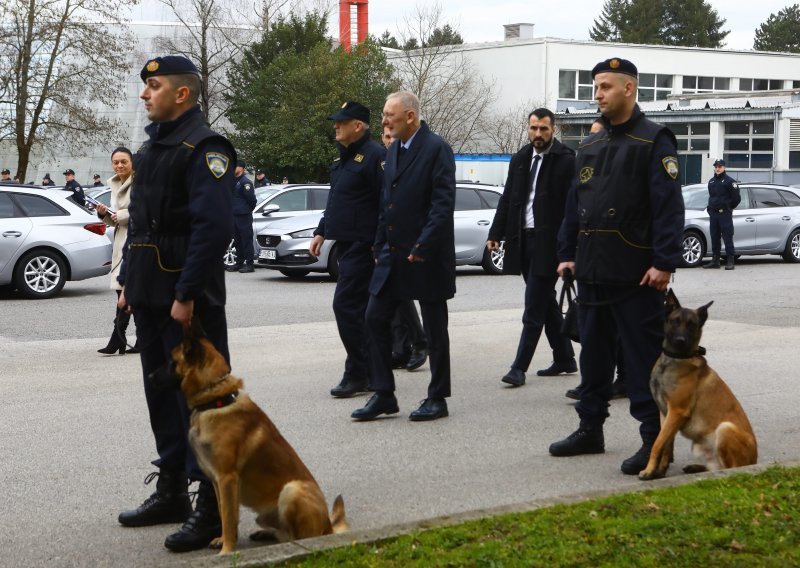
[
  {"x": 555, "y": 176},
  {"x": 416, "y": 217}
]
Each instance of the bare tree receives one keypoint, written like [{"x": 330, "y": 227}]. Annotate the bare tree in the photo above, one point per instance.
[
  {"x": 453, "y": 96},
  {"x": 57, "y": 61},
  {"x": 506, "y": 131}
]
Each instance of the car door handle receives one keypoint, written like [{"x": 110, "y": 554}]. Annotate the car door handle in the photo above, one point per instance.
[
  {"x": 12, "y": 234},
  {"x": 786, "y": 218},
  {"x": 483, "y": 223},
  {"x": 749, "y": 220}
]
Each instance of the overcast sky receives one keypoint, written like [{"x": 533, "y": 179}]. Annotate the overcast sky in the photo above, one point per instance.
[{"x": 482, "y": 20}]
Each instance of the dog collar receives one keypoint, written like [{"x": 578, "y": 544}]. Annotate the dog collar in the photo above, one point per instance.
[
  {"x": 217, "y": 403},
  {"x": 700, "y": 352}
]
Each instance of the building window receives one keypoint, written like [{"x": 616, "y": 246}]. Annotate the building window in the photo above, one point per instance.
[
  {"x": 749, "y": 144},
  {"x": 654, "y": 87},
  {"x": 760, "y": 84},
  {"x": 572, "y": 134},
  {"x": 795, "y": 84},
  {"x": 575, "y": 85},
  {"x": 692, "y": 136},
  {"x": 794, "y": 143},
  {"x": 693, "y": 84}
]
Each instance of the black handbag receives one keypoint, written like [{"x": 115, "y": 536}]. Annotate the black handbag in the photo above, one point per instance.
[{"x": 569, "y": 327}]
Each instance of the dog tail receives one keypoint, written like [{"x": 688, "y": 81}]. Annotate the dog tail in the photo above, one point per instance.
[{"x": 338, "y": 518}]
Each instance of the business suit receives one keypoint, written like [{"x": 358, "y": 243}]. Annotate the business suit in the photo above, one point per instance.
[
  {"x": 416, "y": 218},
  {"x": 532, "y": 251}
]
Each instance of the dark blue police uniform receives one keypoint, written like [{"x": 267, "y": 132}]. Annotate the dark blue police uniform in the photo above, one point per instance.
[
  {"x": 723, "y": 197},
  {"x": 624, "y": 215},
  {"x": 244, "y": 201},
  {"x": 350, "y": 218},
  {"x": 77, "y": 192}
]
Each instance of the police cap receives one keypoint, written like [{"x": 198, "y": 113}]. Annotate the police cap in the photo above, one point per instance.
[
  {"x": 69, "y": 172},
  {"x": 719, "y": 162},
  {"x": 616, "y": 65},
  {"x": 96, "y": 176},
  {"x": 168, "y": 65},
  {"x": 5, "y": 171},
  {"x": 241, "y": 164},
  {"x": 351, "y": 109},
  {"x": 259, "y": 172}
]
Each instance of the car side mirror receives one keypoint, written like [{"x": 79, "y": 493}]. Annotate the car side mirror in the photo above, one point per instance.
[{"x": 269, "y": 209}]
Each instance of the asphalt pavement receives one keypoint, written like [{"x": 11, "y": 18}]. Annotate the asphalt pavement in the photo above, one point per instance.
[{"x": 76, "y": 443}]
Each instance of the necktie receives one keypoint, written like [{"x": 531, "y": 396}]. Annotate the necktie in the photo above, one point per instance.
[{"x": 534, "y": 169}]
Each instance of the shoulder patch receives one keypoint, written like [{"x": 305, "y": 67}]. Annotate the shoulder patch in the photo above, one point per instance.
[
  {"x": 247, "y": 187},
  {"x": 670, "y": 164},
  {"x": 359, "y": 158},
  {"x": 217, "y": 163},
  {"x": 735, "y": 185}
]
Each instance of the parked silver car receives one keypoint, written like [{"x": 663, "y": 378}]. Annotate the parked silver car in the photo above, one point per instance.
[
  {"x": 283, "y": 245},
  {"x": 276, "y": 202},
  {"x": 767, "y": 221},
  {"x": 48, "y": 239}
]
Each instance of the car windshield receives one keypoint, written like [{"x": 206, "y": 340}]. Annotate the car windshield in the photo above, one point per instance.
[
  {"x": 695, "y": 198},
  {"x": 266, "y": 193}
]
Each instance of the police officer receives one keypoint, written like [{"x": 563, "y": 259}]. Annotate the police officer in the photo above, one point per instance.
[
  {"x": 351, "y": 218},
  {"x": 621, "y": 237},
  {"x": 723, "y": 197},
  {"x": 5, "y": 176},
  {"x": 77, "y": 191},
  {"x": 47, "y": 182},
  {"x": 244, "y": 201},
  {"x": 97, "y": 181},
  {"x": 261, "y": 179},
  {"x": 181, "y": 220}
]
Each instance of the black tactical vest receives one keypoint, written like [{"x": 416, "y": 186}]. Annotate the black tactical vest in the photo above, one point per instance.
[
  {"x": 159, "y": 224},
  {"x": 614, "y": 220}
]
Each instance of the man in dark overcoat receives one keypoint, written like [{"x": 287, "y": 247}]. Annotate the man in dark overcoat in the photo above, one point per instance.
[
  {"x": 528, "y": 217},
  {"x": 415, "y": 255}
]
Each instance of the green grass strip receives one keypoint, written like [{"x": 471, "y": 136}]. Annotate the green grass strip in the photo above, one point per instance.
[{"x": 739, "y": 521}]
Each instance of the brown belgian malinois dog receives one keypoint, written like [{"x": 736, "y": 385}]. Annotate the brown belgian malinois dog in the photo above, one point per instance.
[
  {"x": 694, "y": 400},
  {"x": 241, "y": 451}
]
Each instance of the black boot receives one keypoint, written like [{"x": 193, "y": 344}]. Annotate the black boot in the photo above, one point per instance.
[
  {"x": 117, "y": 341},
  {"x": 729, "y": 262},
  {"x": 169, "y": 504},
  {"x": 203, "y": 525},
  {"x": 714, "y": 262},
  {"x": 587, "y": 439},
  {"x": 638, "y": 461}
]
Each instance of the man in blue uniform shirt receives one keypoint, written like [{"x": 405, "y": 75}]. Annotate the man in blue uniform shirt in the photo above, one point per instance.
[
  {"x": 621, "y": 237},
  {"x": 72, "y": 185},
  {"x": 181, "y": 221},
  {"x": 350, "y": 218},
  {"x": 244, "y": 201},
  {"x": 723, "y": 197},
  {"x": 5, "y": 176}
]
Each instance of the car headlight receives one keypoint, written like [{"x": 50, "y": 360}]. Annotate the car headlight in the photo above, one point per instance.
[{"x": 304, "y": 234}]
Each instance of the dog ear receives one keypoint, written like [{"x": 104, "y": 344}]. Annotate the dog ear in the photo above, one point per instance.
[
  {"x": 702, "y": 312},
  {"x": 672, "y": 302}
]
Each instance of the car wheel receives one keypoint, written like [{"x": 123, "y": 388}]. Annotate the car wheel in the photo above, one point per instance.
[
  {"x": 293, "y": 272},
  {"x": 333, "y": 263},
  {"x": 694, "y": 249},
  {"x": 40, "y": 274},
  {"x": 792, "y": 251},
  {"x": 229, "y": 258},
  {"x": 493, "y": 259}
]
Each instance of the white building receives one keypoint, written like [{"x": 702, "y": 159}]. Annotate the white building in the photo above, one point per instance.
[{"x": 743, "y": 106}]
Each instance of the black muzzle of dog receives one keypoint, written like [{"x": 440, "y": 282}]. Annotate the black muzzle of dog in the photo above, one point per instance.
[{"x": 165, "y": 377}]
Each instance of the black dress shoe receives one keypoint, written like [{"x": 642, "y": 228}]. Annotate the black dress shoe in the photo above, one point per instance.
[
  {"x": 417, "y": 359},
  {"x": 514, "y": 377},
  {"x": 638, "y": 461},
  {"x": 430, "y": 409},
  {"x": 574, "y": 394},
  {"x": 349, "y": 387},
  {"x": 233, "y": 267},
  {"x": 399, "y": 360},
  {"x": 618, "y": 389},
  {"x": 378, "y": 404},
  {"x": 559, "y": 367},
  {"x": 247, "y": 268},
  {"x": 587, "y": 439}
]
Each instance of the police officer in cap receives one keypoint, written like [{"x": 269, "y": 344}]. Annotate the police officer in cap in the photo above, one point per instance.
[
  {"x": 351, "y": 218},
  {"x": 181, "y": 221},
  {"x": 97, "y": 181},
  {"x": 244, "y": 201},
  {"x": 621, "y": 237},
  {"x": 723, "y": 197},
  {"x": 5, "y": 176},
  {"x": 261, "y": 179},
  {"x": 47, "y": 182},
  {"x": 77, "y": 191}
]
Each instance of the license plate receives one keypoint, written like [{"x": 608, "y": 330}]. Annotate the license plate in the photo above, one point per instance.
[{"x": 268, "y": 254}]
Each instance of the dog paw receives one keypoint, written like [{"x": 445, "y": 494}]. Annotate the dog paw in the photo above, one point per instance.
[
  {"x": 695, "y": 468},
  {"x": 216, "y": 543},
  {"x": 645, "y": 475}
]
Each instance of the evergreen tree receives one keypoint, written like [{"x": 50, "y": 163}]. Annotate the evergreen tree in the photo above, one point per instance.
[
  {"x": 609, "y": 26},
  {"x": 781, "y": 31},
  {"x": 443, "y": 36},
  {"x": 388, "y": 40}
]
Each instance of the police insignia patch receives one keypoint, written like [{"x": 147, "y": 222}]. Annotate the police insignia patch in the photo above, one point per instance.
[
  {"x": 247, "y": 187},
  {"x": 383, "y": 164},
  {"x": 586, "y": 174},
  {"x": 735, "y": 186},
  {"x": 670, "y": 164},
  {"x": 152, "y": 66},
  {"x": 359, "y": 158},
  {"x": 614, "y": 63},
  {"x": 217, "y": 163}
]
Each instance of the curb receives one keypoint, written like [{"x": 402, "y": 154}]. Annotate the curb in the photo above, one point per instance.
[{"x": 279, "y": 553}]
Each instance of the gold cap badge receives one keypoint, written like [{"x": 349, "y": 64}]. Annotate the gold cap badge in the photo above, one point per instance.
[
  {"x": 614, "y": 63},
  {"x": 152, "y": 65}
]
